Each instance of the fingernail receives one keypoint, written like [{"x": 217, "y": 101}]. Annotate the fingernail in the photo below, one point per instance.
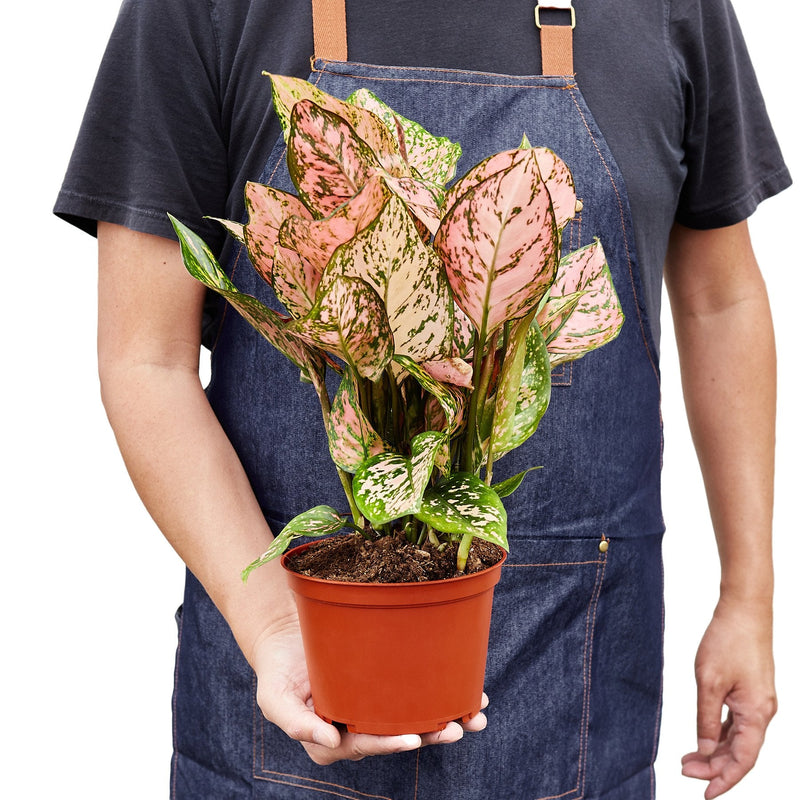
[
  {"x": 411, "y": 741},
  {"x": 323, "y": 737}
]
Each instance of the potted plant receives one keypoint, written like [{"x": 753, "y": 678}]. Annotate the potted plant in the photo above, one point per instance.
[{"x": 442, "y": 309}]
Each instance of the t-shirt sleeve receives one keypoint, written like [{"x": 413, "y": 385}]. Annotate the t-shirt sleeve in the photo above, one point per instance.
[
  {"x": 151, "y": 140},
  {"x": 731, "y": 157}
]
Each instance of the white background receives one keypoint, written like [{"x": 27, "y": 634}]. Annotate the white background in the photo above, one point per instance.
[{"x": 89, "y": 586}]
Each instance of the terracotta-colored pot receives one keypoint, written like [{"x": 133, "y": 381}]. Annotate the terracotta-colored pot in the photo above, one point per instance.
[{"x": 392, "y": 658}]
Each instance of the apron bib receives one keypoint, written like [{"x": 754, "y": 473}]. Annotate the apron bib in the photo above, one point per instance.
[{"x": 574, "y": 668}]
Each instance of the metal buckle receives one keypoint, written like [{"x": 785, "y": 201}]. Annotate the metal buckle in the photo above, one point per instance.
[{"x": 561, "y": 5}]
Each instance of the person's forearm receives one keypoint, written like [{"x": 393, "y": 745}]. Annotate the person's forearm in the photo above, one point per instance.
[
  {"x": 727, "y": 354},
  {"x": 191, "y": 481}
]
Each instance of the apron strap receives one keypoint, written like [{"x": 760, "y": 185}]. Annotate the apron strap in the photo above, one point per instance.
[
  {"x": 330, "y": 35},
  {"x": 330, "y": 29},
  {"x": 556, "y": 40}
]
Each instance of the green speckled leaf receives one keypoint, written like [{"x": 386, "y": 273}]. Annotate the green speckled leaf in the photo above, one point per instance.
[
  {"x": 510, "y": 485},
  {"x": 389, "y": 486},
  {"x": 317, "y": 521},
  {"x": 465, "y": 505},
  {"x": 532, "y": 396},
  {"x": 450, "y": 402},
  {"x": 201, "y": 264}
]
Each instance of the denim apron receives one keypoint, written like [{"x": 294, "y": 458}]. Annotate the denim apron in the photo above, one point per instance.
[{"x": 574, "y": 667}]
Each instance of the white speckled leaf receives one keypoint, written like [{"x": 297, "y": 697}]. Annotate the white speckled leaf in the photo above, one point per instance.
[
  {"x": 433, "y": 157},
  {"x": 389, "y": 486},
  {"x": 465, "y": 505},
  {"x": 597, "y": 317},
  {"x": 287, "y": 91},
  {"x": 349, "y": 320},
  {"x": 267, "y": 208},
  {"x": 530, "y": 400},
  {"x": 499, "y": 245},
  {"x": 351, "y": 438},
  {"x": 235, "y": 229},
  {"x": 317, "y": 521},
  {"x": 392, "y": 258}
]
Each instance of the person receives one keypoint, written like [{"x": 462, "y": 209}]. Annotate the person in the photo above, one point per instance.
[{"x": 671, "y": 151}]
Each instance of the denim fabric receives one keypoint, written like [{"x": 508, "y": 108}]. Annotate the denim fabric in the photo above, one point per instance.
[{"x": 575, "y": 652}]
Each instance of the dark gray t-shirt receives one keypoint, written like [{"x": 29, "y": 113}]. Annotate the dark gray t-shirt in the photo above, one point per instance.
[{"x": 180, "y": 115}]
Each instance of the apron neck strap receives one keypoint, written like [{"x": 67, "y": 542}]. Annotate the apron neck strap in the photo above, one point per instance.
[
  {"x": 330, "y": 29},
  {"x": 556, "y": 40},
  {"x": 330, "y": 35}
]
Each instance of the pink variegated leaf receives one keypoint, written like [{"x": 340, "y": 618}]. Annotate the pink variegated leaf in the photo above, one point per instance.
[
  {"x": 560, "y": 184},
  {"x": 499, "y": 245},
  {"x": 463, "y": 333},
  {"x": 267, "y": 208},
  {"x": 483, "y": 170},
  {"x": 287, "y": 91},
  {"x": 316, "y": 240},
  {"x": 235, "y": 229},
  {"x": 597, "y": 317},
  {"x": 555, "y": 312},
  {"x": 349, "y": 320},
  {"x": 407, "y": 275},
  {"x": 327, "y": 161},
  {"x": 295, "y": 281},
  {"x": 201, "y": 264},
  {"x": 433, "y": 157},
  {"x": 450, "y": 370},
  {"x": 422, "y": 198},
  {"x": 351, "y": 438}
]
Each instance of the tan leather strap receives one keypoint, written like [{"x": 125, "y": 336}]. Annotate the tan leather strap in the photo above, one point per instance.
[
  {"x": 557, "y": 40},
  {"x": 330, "y": 29}
]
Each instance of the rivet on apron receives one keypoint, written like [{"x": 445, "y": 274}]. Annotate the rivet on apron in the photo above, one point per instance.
[{"x": 603, "y": 546}]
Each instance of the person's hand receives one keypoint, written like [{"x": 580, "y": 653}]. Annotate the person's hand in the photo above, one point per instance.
[
  {"x": 734, "y": 667},
  {"x": 284, "y": 696}
]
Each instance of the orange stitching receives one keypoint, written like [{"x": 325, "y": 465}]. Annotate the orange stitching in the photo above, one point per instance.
[
  {"x": 624, "y": 234},
  {"x": 416, "y": 774},
  {"x": 588, "y": 695}
]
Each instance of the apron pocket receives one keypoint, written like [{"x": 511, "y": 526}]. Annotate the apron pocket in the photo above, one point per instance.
[{"x": 539, "y": 671}]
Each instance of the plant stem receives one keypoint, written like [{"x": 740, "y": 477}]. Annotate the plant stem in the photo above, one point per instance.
[
  {"x": 463, "y": 552},
  {"x": 469, "y": 441}
]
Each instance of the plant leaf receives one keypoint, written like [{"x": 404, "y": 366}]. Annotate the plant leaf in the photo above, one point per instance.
[
  {"x": 349, "y": 320},
  {"x": 499, "y": 245},
  {"x": 235, "y": 229},
  {"x": 390, "y": 255},
  {"x": 450, "y": 402},
  {"x": 267, "y": 208},
  {"x": 464, "y": 504},
  {"x": 295, "y": 281},
  {"x": 433, "y": 157},
  {"x": 287, "y": 91},
  {"x": 316, "y": 240},
  {"x": 559, "y": 182},
  {"x": 327, "y": 161},
  {"x": 532, "y": 396},
  {"x": 555, "y": 312},
  {"x": 510, "y": 485},
  {"x": 351, "y": 438},
  {"x": 201, "y": 264},
  {"x": 389, "y": 486},
  {"x": 422, "y": 199},
  {"x": 317, "y": 521},
  {"x": 450, "y": 370},
  {"x": 597, "y": 317}
]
